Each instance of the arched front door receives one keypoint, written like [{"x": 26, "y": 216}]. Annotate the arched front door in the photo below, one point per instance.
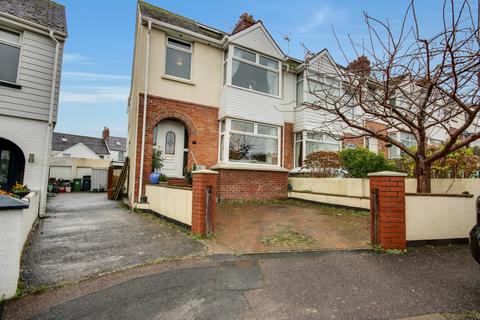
[
  {"x": 171, "y": 141},
  {"x": 12, "y": 164}
]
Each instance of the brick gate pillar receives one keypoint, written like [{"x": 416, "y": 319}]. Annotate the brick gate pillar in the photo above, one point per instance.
[
  {"x": 204, "y": 203},
  {"x": 387, "y": 210}
]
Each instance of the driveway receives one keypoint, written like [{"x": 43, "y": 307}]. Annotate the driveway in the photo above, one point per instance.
[
  {"x": 312, "y": 285},
  {"x": 85, "y": 234},
  {"x": 290, "y": 225}
]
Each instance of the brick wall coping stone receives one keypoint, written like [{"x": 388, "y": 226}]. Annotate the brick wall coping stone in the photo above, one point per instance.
[
  {"x": 205, "y": 171},
  {"x": 329, "y": 194},
  {"x": 248, "y": 167},
  {"x": 458, "y": 195},
  {"x": 387, "y": 174},
  {"x": 165, "y": 185}
]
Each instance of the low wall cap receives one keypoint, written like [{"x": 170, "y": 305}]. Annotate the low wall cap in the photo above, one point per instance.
[
  {"x": 205, "y": 171},
  {"x": 387, "y": 174}
]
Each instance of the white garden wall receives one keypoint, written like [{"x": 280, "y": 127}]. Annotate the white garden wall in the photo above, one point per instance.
[
  {"x": 172, "y": 202},
  {"x": 439, "y": 217},
  {"x": 15, "y": 226}
]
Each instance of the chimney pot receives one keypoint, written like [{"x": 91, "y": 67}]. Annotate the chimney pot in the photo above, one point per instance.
[
  {"x": 361, "y": 66},
  {"x": 105, "y": 133}
]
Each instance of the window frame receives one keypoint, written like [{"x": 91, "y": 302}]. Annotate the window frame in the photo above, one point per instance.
[
  {"x": 227, "y": 132},
  {"x": 18, "y": 45},
  {"x": 167, "y": 45},
  {"x": 278, "y": 71},
  {"x": 304, "y": 139},
  {"x": 300, "y": 78},
  {"x": 174, "y": 143},
  {"x": 398, "y": 137}
]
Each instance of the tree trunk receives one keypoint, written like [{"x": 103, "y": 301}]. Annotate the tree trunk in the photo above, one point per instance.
[{"x": 422, "y": 173}]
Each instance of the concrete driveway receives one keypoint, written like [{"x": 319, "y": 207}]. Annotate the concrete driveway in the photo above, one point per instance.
[{"x": 85, "y": 234}]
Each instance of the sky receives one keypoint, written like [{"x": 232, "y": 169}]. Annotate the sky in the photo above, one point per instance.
[{"x": 98, "y": 52}]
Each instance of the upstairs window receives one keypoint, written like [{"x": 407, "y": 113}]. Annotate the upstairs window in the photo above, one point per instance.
[
  {"x": 178, "y": 62},
  {"x": 255, "y": 72},
  {"x": 9, "y": 55},
  {"x": 300, "y": 89}
]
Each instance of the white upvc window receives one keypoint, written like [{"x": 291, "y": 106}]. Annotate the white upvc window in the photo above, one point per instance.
[
  {"x": 178, "y": 58},
  {"x": 307, "y": 142},
  {"x": 244, "y": 141},
  {"x": 407, "y": 139},
  {"x": 10, "y": 46},
  {"x": 254, "y": 71}
]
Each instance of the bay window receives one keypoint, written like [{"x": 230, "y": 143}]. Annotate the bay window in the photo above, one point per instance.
[
  {"x": 307, "y": 142},
  {"x": 407, "y": 139},
  {"x": 178, "y": 61},
  {"x": 249, "y": 142},
  {"x": 255, "y": 72},
  {"x": 9, "y": 55}
]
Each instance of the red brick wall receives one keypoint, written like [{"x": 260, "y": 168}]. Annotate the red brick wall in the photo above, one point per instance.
[
  {"x": 391, "y": 211},
  {"x": 201, "y": 122},
  {"x": 288, "y": 154},
  {"x": 243, "y": 184},
  {"x": 199, "y": 201}
]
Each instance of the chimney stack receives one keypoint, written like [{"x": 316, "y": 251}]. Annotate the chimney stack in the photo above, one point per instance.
[
  {"x": 360, "y": 66},
  {"x": 105, "y": 133},
  {"x": 243, "y": 23}
]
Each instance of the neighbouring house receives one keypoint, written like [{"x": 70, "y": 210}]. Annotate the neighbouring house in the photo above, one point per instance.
[
  {"x": 232, "y": 102},
  {"x": 76, "y": 156},
  {"x": 32, "y": 37}
]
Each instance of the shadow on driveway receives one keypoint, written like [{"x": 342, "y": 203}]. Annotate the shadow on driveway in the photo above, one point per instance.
[{"x": 85, "y": 234}]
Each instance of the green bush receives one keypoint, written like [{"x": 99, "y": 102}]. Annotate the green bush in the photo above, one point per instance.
[{"x": 359, "y": 162}]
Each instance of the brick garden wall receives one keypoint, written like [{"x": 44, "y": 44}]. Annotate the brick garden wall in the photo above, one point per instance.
[
  {"x": 201, "y": 122},
  {"x": 254, "y": 185}
]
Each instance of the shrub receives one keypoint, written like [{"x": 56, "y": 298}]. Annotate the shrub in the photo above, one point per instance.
[
  {"x": 322, "y": 164},
  {"x": 157, "y": 160},
  {"x": 359, "y": 162},
  {"x": 463, "y": 163}
]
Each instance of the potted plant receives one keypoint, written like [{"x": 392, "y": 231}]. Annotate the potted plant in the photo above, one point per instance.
[
  {"x": 157, "y": 165},
  {"x": 20, "y": 190}
]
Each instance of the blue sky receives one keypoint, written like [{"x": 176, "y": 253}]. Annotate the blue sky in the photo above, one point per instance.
[{"x": 98, "y": 52}]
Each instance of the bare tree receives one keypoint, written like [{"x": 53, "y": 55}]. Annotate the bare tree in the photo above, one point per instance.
[{"x": 412, "y": 84}]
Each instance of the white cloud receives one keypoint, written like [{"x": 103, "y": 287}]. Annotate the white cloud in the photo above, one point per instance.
[
  {"x": 94, "y": 94},
  {"x": 76, "y": 58},
  {"x": 320, "y": 16},
  {"x": 93, "y": 76}
]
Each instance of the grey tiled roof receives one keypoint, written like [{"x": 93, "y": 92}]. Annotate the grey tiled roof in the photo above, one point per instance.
[
  {"x": 43, "y": 12},
  {"x": 117, "y": 143},
  {"x": 97, "y": 145},
  {"x": 153, "y": 12}
]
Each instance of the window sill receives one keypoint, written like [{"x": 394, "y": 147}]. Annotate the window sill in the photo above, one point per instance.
[
  {"x": 253, "y": 91},
  {"x": 248, "y": 166},
  {"x": 172, "y": 78},
  {"x": 10, "y": 85}
]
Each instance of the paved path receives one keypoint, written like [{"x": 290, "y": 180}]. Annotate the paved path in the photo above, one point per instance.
[
  {"x": 85, "y": 234},
  {"x": 290, "y": 225},
  {"x": 329, "y": 285}
]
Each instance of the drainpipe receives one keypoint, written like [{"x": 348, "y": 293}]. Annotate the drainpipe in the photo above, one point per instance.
[
  {"x": 49, "y": 132},
  {"x": 144, "y": 123}
]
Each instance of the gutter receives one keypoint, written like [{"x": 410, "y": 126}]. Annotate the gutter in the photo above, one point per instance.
[
  {"x": 49, "y": 132},
  {"x": 206, "y": 39},
  {"x": 145, "y": 103}
]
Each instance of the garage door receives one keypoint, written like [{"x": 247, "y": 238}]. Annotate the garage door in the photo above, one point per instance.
[
  {"x": 60, "y": 172},
  {"x": 82, "y": 171}
]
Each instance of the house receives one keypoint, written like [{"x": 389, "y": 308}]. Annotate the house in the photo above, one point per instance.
[
  {"x": 76, "y": 156},
  {"x": 32, "y": 37},
  {"x": 218, "y": 100}
]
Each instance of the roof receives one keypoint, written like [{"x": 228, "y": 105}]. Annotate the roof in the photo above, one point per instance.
[
  {"x": 117, "y": 143},
  {"x": 43, "y": 12},
  {"x": 63, "y": 141},
  {"x": 156, "y": 13}
]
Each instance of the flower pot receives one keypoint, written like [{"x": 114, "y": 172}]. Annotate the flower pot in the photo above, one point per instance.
[
  {"x": 68, "y": 189},
  {"x": 155, "y": 177},
  {"x": 21, "y": 194}
]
